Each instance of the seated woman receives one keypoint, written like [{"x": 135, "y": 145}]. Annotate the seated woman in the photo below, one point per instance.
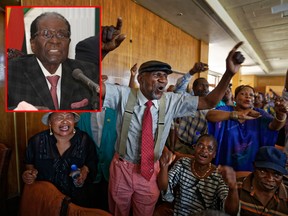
[
  {"x": 51, "y": 153},
  {"x": 242, "y": 129},
  {"x": 200, "y": 184}
]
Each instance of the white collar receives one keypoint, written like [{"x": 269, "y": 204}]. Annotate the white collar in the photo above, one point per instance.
[
  {"x": 46, "y": 72},
  {"x": 142, "y": 99}
]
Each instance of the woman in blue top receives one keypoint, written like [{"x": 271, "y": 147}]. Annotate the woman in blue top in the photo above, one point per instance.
[{"x": 242, "y": 129}]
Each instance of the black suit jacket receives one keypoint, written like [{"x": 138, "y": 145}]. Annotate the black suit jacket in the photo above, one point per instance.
[
  {"x": 88, "y": 50},
  {"x": 26, "y": 82}
]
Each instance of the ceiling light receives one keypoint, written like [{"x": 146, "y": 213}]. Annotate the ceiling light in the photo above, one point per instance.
[{"x": 280, "y": 8}]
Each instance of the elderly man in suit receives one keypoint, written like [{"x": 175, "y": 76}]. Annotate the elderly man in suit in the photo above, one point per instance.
[{"x": 29, "y": 77}]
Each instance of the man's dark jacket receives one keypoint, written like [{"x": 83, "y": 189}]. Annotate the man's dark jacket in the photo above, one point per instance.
[{"x": 26, "y": 82}]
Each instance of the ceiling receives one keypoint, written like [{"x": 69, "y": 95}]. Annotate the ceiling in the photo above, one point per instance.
[{"x": 223, "y": 23}]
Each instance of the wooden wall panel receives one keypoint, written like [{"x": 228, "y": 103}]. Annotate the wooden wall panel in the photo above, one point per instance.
[
  {"x": 7, "y": 137},
  {"x": 33, "y": 119},
  {"x": 117, "y": 63},
  {"x": 248, "y": 80},
  {"x": 7, "y": 132},
  {"x": 272, "y": 81},
  {"x": 204, "y": 53},
  {"x": 148, "y": 37},
  {"x": 28, "y": 124},
  {"x": 262, "y": 83}
]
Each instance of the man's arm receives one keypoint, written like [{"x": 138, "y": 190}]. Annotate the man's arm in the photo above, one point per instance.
[
  {"x": 162, "y": 178},
  {"x": 281, "y": 109},
  {"x": 221, "y": 115},
  {"x": 132, "y": 80},
  {"x": 166, "y": 159},
  {"x": 103, "y": 90},
  {"x": 231, "y": 204},
  {"x": 182, "y": 82},
  {"x": 233, "y": 64}
]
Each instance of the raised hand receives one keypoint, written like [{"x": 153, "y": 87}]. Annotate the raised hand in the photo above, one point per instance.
[
  {"x": 166, "y": 158},
  {"x": 229, "y": 176},
  {"x": 112, "y": 37},
  {"x": 199, "y": 67},
  {"x": 281, "y": 106},
  {"x": 133, "y": 70},
  {"x": 234, "y": 59}
]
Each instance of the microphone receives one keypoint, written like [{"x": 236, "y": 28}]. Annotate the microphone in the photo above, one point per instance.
[{"x": 79, "y": 75}]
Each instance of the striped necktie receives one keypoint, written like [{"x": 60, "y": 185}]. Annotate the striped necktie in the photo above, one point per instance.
[{"x": 147, "y": 146}]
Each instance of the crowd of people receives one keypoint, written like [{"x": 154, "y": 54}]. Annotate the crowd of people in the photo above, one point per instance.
[{"x": 127, "y": 166}]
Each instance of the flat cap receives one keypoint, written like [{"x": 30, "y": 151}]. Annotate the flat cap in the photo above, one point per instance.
[
  {"x": 270, "y": 157},
  {"x": 151, "y": 66}
]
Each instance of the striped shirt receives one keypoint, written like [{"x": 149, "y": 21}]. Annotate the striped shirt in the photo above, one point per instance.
[{"x": 193, "y": 194}]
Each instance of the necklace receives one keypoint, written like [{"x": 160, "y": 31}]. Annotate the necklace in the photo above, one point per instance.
[{"x": 196, "y": 174}]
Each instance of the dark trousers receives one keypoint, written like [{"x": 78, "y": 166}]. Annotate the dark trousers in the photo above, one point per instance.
[{"x": 100, "y": 195}]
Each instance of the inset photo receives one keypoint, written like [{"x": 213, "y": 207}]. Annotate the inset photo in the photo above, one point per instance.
[{"x": 53, "y": 58}]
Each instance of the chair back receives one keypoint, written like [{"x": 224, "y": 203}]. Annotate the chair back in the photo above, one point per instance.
[
  {"x": 5, "y": 156},
  {"x": 75, "y": 210},
  {"x": 41, "y": 199}
]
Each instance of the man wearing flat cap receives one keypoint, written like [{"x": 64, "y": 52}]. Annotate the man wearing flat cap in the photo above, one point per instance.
[
  {"x": 263, "y": 192},
  {"x": 133, "y": 170},
  {"x": 151, "y": 66}
]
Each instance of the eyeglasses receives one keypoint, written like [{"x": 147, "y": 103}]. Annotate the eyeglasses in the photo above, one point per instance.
[
  {"x": 48, "y": 34},
  {"x": 59, "y": 117},
  {"x": 202, "y": 147}
]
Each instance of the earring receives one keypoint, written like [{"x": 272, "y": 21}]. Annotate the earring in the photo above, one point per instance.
[
  {"x": 74, "y": 131},
  {"x": 51, "y": 132}
]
